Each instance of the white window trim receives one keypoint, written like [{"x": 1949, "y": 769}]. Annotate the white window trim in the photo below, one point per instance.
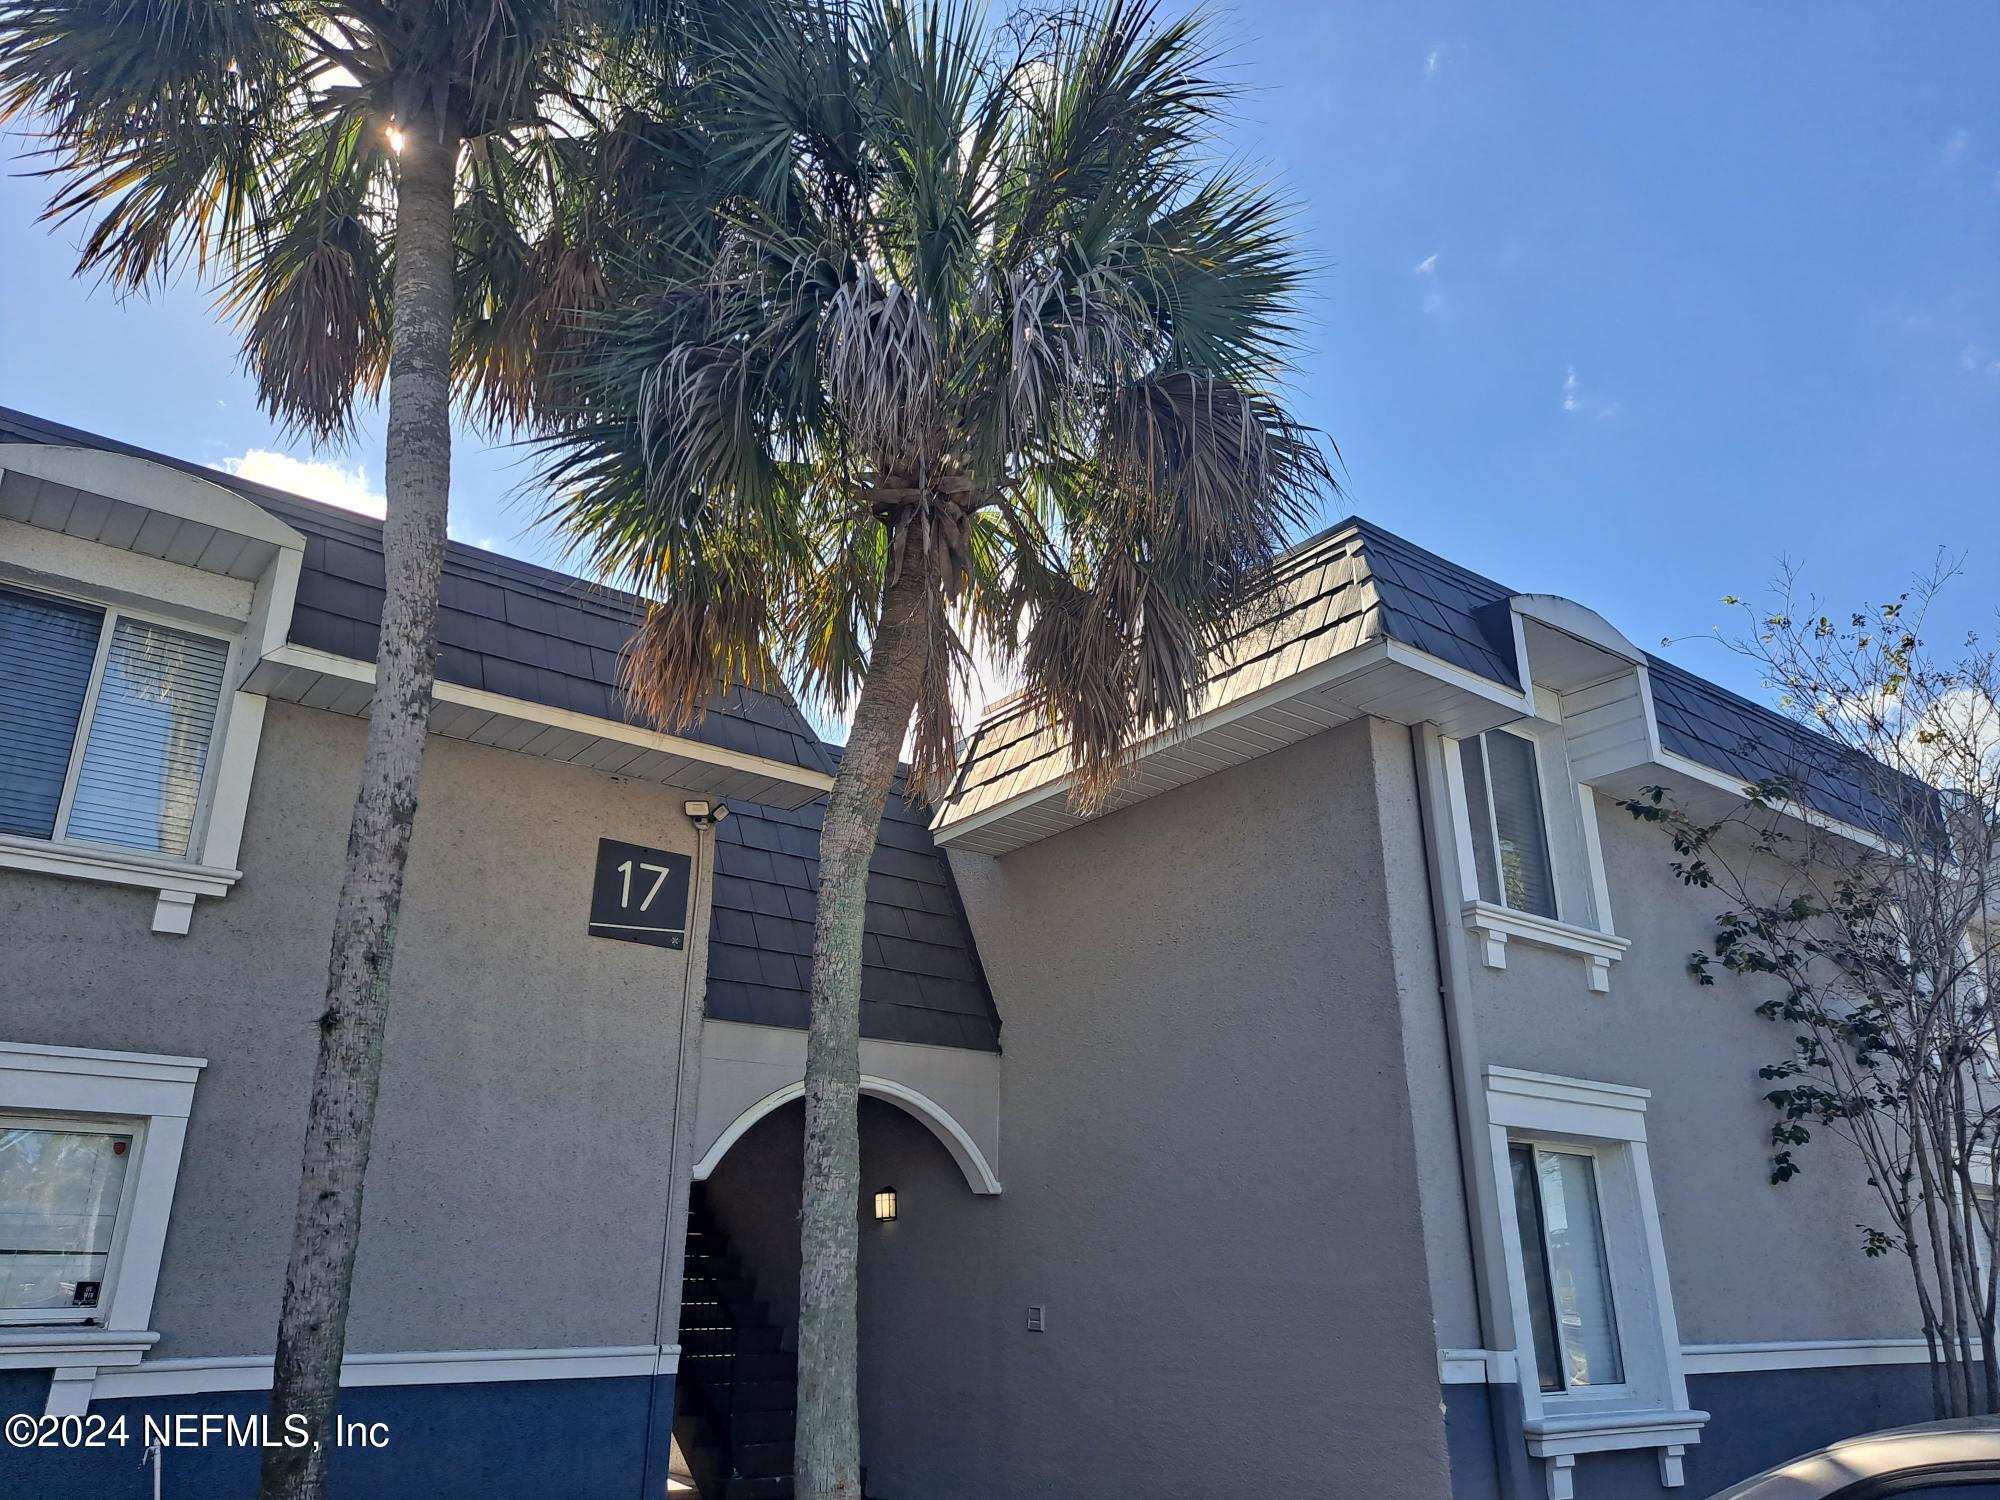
[
  {"x": 1493, "y": 925},
  {"x": 208, "y": 867},
  {"x": 150, "y": 1095},
  {"x": 1651, "y": 1409}
]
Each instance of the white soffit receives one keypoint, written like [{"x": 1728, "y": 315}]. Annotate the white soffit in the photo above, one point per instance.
[
  {"x": 338, "y": 684},
  {"x": 135, "y": 505}
]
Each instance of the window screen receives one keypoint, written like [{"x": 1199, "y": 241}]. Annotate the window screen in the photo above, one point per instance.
[
  {"x": 1510, "y": 842},
  {"x": 47, "y": 648},
  {"x": 149, "y": 737}
]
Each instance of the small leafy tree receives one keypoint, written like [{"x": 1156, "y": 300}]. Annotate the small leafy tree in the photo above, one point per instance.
[
  {"x": 965, "y": 342},
  {"x": 1859, "y": 887},
  {"x": 388, "y": 192}
]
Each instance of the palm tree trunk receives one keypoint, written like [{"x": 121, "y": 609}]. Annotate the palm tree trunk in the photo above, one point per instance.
[
  {"x": 828, "y": 1439},
  {"x": 312, "y": 1329}
]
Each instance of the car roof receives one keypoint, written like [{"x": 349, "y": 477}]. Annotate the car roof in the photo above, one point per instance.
[{"x": 1826, "y": 1471}]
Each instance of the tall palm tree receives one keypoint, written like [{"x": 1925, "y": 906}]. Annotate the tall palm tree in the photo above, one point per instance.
[
  {"x": 388, "y": 190},
  {"x": 975, "y": 347}
]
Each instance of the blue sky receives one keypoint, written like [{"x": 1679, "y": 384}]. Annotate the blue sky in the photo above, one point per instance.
[{"x": 1619, "y": 302}]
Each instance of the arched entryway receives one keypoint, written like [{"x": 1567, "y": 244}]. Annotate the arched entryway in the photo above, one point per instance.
[
  {"x": 737, "y": 1381},
  {"x": 979, "y": 1175}
]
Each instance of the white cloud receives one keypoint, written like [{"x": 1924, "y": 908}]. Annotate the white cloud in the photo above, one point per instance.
[
  {"x": 316, "y": 479},
  {"x": 1431, "y": 60},
  {"x": 1426, "y": 271},
  {"x": 1583, "y": 402},
  {"x": 1954, "y": 147},
  {"x": 331, "y": 483},
  {"x": 1977, "y": 359}
]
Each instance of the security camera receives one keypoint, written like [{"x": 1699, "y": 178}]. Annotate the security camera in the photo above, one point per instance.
[{"x": 705, "y": 814}]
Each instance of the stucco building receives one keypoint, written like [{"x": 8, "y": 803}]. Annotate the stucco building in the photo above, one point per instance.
[{"x": 1330, "y": 1115}]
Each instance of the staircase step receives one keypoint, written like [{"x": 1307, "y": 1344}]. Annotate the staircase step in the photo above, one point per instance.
[
  {"x": 739, "y": 1386},
  {"x": 760, "y": 1460},
  {"x": 770, "y": 1364},
  {"x": 763, "y": 1395},
  {"x": 763, "y": 1426}
]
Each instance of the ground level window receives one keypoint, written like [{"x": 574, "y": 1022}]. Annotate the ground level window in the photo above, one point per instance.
[
  {"x": 1570, "y": 1305},
  {"x": 62, "y": 1191}
]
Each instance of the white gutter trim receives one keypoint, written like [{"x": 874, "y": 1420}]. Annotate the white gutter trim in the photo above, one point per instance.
[{"x": 312, "y": 659}]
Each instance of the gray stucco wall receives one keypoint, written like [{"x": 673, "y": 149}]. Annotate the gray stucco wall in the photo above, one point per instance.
[
  {"x": 1748, "y": 1261},
  {"x": 1207, "y": 1155},
  {"x": 1427, "y": 1053},
  {"x": 518, "y": 1190}
]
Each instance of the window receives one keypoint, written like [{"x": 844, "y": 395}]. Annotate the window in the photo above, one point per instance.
[
  {"x": 1524, "y": 853},
  {"x": 1510, "y": 840},
  {"x": 1567, "y": 1268},
  {"x": 62, "y": 1193},
  {"x": 106, "y": 721},
  {"x": 1595, "y": 1342},
  {"x": 90, "y": 1152}
]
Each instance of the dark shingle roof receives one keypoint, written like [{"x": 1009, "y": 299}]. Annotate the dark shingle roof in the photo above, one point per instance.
[
  {"x": 1438, "y": 607},
  {"x": 921, "y": 979},
  {"x": 1706, "y": 723},
  {"x": 504, "y": 626},
  {"x": 1355, "y": 582},
  {"x": 1728, "y": 733},
  {"x": 1347, "y": 586}
]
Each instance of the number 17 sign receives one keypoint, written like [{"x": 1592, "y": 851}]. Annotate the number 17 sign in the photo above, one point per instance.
[{"x": 640, "y": 895}]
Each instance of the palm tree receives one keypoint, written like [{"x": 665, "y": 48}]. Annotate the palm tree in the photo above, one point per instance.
[
  {"x": 384, "y": 189},
  {"x": 971, "y": 346}
]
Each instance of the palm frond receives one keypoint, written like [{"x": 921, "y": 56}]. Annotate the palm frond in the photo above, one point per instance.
[
  {"x": 982, "y": 309},
  {"x": 312, "y": 289}
]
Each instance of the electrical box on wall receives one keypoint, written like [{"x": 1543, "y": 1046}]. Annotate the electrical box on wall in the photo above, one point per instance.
[{"x": 1037, "y": 1322}]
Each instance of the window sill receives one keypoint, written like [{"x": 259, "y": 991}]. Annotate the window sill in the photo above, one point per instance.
[
  {"x": 37, "y": 1346},
  {"x": 1557, "y": 1439},
  {"x": 177, "y": 881},
  {"x": 73, "y": 1355},
  {"x": 1494, "y": 925}
]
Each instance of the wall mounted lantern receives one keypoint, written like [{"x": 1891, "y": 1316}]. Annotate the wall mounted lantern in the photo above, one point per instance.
[{"x": 885, "y": 1206}]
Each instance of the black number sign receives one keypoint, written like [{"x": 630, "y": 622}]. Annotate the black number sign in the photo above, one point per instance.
[{"x": 640, "y": 895}]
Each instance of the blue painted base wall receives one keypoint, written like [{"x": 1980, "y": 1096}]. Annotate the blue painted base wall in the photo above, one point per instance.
[
  {"x": 503, "y": 1440},
  {"x": 1756, "y": 1419},
  {"x": 1765, "y": 1417}
]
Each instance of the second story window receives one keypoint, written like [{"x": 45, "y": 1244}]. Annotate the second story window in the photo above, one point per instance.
[
  {"x": 106, "y": 721},
  {"x": 1510, "y": 840}
]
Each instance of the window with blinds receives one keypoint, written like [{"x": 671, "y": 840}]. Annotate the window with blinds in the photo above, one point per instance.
[
  {"x": 47, "y": 650},
  {"x": 106, "y": 723},
  {"x": 1510, "y": 840},
  {"x": 1570, "y": 1309}
]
